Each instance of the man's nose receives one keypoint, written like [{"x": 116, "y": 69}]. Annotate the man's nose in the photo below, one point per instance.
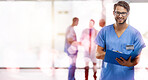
[{"x": 120, "y": 15}]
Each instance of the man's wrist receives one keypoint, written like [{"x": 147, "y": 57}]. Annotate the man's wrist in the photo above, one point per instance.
[{"x": 130, "y": 65}]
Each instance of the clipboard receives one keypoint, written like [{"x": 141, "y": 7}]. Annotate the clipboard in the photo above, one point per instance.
[{"x": 111, "y": 56}]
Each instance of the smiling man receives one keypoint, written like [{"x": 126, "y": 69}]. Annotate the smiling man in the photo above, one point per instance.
[{"x": 119, "y": 37}]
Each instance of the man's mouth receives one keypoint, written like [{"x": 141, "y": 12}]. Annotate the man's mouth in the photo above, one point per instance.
[{"x": 120, "y": 20}]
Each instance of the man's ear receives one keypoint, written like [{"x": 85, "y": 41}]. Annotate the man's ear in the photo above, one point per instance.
[
  {"x": 114, "y": 13},
  {"x": 128, "y": 14}
]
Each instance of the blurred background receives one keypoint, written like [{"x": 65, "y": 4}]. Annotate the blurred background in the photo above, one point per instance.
[{"x": 32, "y": 32}]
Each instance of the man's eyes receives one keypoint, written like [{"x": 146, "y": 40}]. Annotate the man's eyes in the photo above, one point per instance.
[{"x": 121, "y": 12}]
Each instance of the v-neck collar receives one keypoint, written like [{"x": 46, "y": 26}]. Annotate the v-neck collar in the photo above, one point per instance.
[{"x": 121, "y": 34}]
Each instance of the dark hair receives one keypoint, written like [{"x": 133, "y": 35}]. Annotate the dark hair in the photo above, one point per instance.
[
  {"x": 123, "y": 4},
  {"x": 75, "y": 19},
  {"x": 92, "y": 21}
]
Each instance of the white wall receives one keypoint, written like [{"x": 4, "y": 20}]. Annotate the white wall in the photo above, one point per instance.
[
  {"x": 25, "y": 28},
  {"x": 26, "y": 32}
]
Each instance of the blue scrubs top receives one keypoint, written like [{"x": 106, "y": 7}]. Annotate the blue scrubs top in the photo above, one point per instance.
[{"x": 108, "y": 39}]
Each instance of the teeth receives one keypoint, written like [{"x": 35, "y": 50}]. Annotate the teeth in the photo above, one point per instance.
[{"x": 120, "y": 19}]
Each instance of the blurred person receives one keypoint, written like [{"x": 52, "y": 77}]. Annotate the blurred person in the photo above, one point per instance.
[
  {"x": 87, "y": 41},
  {"x": 121, "y": 37},
  {"x": 71, "y": 47}
]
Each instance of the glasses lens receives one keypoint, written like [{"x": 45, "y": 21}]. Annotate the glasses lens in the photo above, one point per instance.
[{"x": 122, "y": 13}]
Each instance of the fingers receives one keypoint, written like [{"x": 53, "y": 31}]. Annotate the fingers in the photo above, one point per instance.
[
  {"x": 129, "y": 59},
  {"x": 124, "y": 62},
  {"x": 122, "y": 59},
  {"x": 119, "y": 61}
]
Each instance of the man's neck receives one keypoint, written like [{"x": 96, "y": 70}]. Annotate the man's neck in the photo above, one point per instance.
[
  {"x": 90, "y": 27},
  {"x": 120, "y": 27},
  {"x": 73, "y": 25}
]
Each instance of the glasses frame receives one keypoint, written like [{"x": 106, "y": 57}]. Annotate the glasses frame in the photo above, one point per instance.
[{"x": 117, "y": 13}]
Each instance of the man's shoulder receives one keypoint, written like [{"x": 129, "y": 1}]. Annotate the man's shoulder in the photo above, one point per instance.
[
  {"x": 85, "y": 30},
  {"x": 70, "y": 28},
  {"x": 107, "y": 27},
  {"x": 133, "y": 30}
]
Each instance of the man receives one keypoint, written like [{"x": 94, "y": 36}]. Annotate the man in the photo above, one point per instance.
[
  {"x": 120, "y": 37},
  {"x": 87, "y": 41},
  {"x": 71, "y": 48}
]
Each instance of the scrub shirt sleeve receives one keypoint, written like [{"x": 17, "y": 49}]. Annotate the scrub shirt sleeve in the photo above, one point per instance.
[
  {"x": 100, "y": 38},
  {"x": 138, "y": 44}
]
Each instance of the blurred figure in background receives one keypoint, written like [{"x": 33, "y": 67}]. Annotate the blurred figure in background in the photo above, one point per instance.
[
  {"x": 87, "y": 41},
  {"x": 71, "y": 48}
]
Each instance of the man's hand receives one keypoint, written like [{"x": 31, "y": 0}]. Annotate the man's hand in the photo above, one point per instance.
[{"x": 124, "y": 62}]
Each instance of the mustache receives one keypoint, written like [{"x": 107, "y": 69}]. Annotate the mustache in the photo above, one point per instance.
[{"x": 122, "y": 22}]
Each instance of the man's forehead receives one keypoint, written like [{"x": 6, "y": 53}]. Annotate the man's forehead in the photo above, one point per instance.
[{"x": 120, "y": 9}]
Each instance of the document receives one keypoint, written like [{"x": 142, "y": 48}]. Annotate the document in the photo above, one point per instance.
[{"x": 111, "y": 56}]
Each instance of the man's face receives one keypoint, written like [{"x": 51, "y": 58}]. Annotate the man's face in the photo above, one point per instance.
[
  {"x": 91, "y": 24},
  {"x": 76, "y": 22},
  {"x": 120, "y": 14}
]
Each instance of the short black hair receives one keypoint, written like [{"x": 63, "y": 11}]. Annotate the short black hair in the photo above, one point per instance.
[
  {"x": 123, "y": 4},
  {"x": 75, "y": 19}
]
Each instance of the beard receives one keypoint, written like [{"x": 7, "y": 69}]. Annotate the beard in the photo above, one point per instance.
[{"x": 122, "y": 22}]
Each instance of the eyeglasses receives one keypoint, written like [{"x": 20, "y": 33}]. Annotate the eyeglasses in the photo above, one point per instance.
[{"x": 122, "y": 13}]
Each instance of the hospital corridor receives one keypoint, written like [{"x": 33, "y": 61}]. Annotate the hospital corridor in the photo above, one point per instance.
[{"x": 33, "y": 35}]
